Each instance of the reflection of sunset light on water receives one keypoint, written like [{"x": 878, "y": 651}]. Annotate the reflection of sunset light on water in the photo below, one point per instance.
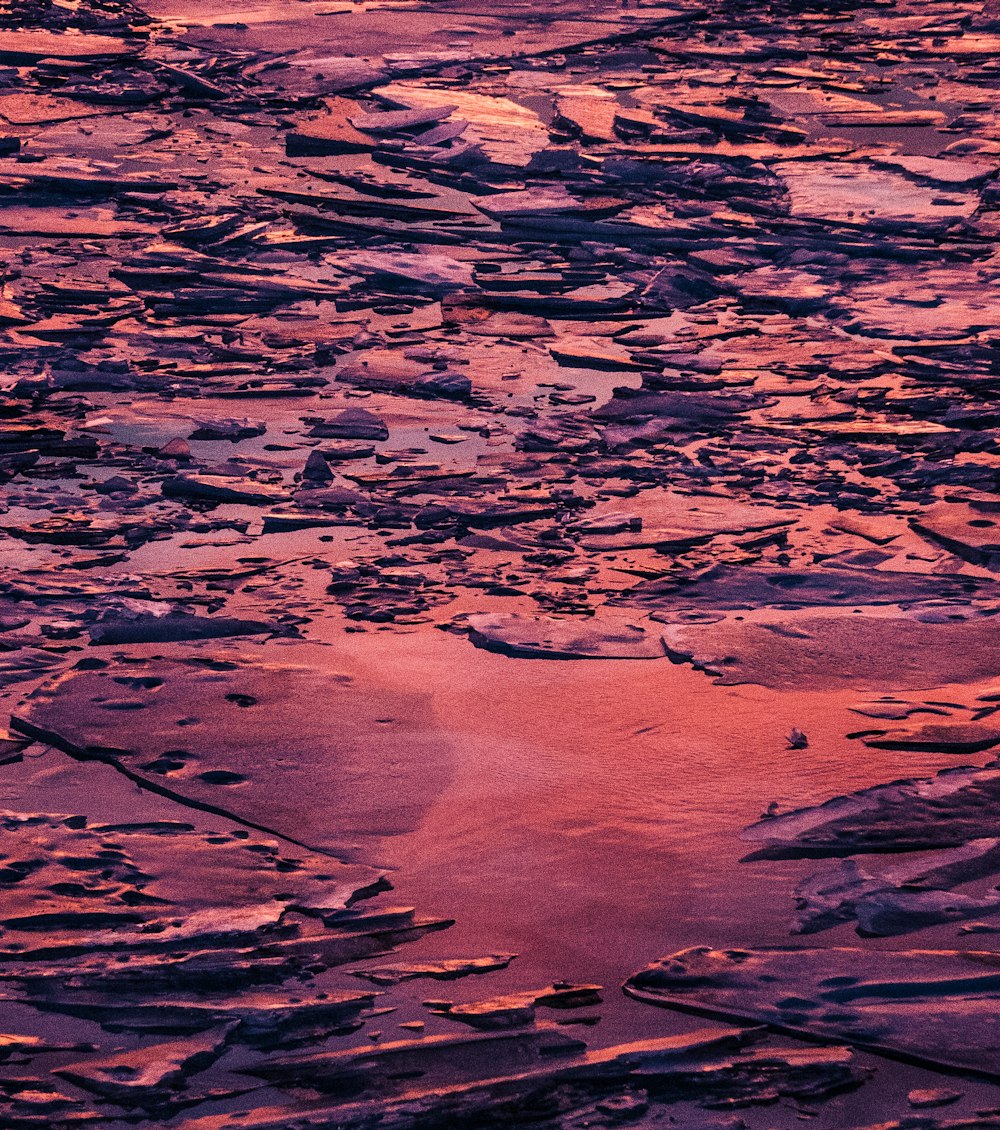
[{"x": 500, "y": 504}]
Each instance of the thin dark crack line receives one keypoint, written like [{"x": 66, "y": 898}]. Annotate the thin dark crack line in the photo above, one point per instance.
[{"x": 51, "y": 738}]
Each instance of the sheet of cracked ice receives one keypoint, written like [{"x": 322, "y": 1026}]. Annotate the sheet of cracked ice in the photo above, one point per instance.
[{"x": 507, "y": 455}]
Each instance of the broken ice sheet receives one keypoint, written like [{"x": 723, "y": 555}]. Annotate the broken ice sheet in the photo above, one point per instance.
[
  {"x": 462, "y": 1079},
  {"x": 948, "y": 810},
  {"x": 447, "y": 970},
  {"x": 706, "y": 298},
  {"x": 889, "y": 899},
  {"x": 564, "y": 639},
  {"x": 170, "y": 939},
  {"x": 902, "y": 1001},
  {"x": 874, "y": 653},
  {"x": 203, "y": 718},
  {"x": 505, "y": 132},
  {"x": 943, "y": 737}
]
